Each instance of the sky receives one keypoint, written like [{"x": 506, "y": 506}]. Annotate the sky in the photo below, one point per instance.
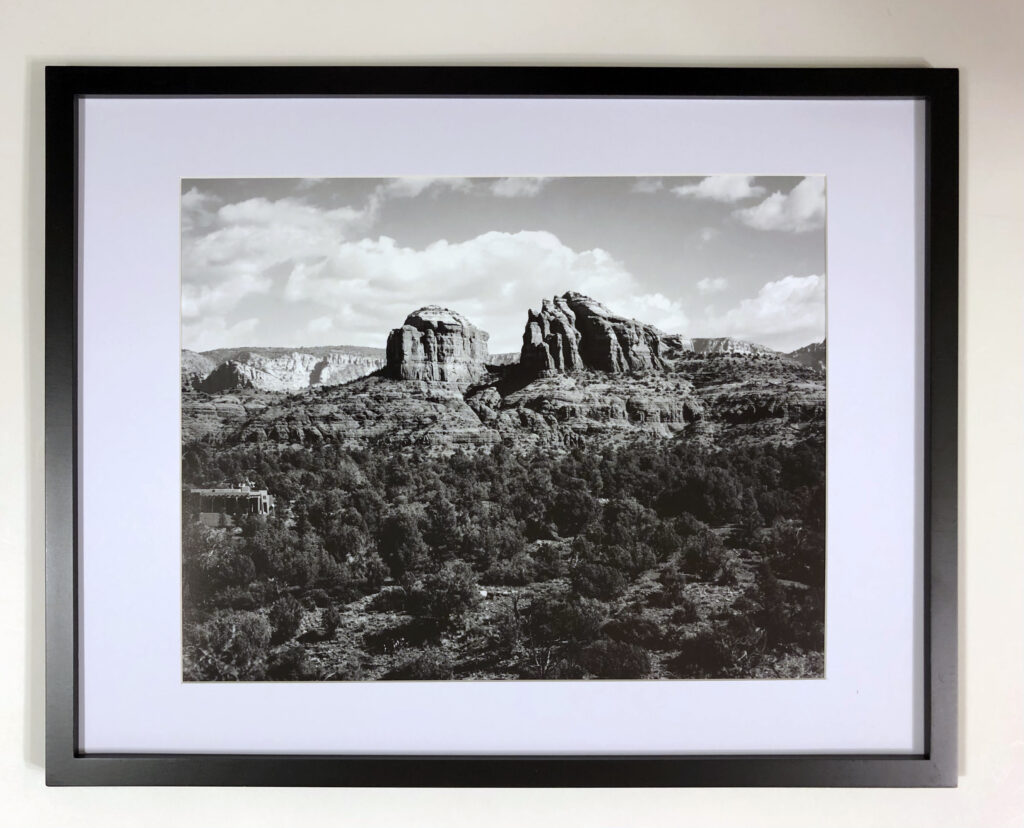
[{"x": 342, "y": 261}]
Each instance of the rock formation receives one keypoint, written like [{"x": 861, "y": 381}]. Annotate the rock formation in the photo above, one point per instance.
[
  {"x": 573, "y": 332},
  {"x": 288, "y": 371},
  {"x": 812, "y": 355},
  {"x": 436, "y": 344},
  {"x": 194, "y": 369},
  {"x": 551, "y": 341},
  {"x": 727, "y": 345},
  {"x": 586, "y": 376}
]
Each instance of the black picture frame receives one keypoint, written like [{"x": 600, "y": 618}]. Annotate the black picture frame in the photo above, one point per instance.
[{"x": 936, "y": 766}]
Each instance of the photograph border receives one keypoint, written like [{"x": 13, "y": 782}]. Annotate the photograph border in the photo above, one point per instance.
[{"x": 935, "y": 766}]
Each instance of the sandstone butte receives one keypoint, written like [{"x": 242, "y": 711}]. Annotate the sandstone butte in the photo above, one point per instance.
[
  {"x": 573, "y": 332},
  {"x": 584, "y": 374},
  {"x": 436, "y": 344}
]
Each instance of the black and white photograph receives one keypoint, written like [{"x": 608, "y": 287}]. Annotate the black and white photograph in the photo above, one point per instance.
[{"x": 566, "y": 428}]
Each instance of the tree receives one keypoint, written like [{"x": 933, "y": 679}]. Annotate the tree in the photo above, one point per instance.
[
  {"x": 285, "y": 618},
  {"x": 401, "y": 542},
  {"x": 445, "y": 596},
  {"x": 230, "y": 646}
]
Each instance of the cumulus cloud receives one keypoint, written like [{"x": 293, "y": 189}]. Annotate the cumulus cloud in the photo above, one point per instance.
[
  {"x": 232, "y": 251},
  {"x": 414, "y": 186},
  {"x": 800, "y": 210},
  {"x": 214, "y": 332},
  {"x": 198, "y": 210},
  {"x": 521, "y": 187},
  {"x": 369, "y": 286},
  {"x": 727, "y": 188},
  {"x": 785, "y": 314},
  {"x": 320, "y": 324},
  {"x": 647, "y": 185},
  {"x": 708, "y": 285}
]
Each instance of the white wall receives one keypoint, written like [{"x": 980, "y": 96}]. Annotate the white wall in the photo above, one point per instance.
[{"x": 983, "y": 38}]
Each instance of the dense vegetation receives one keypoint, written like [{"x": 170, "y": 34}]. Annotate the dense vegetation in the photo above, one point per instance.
[{"x": 658, "y": 559}]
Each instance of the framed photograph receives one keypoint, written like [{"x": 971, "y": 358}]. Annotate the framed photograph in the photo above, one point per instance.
[{"x": 501, "y": 426}]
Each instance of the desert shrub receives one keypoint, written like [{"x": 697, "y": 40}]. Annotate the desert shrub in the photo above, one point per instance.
[
  {"x": 444, "y": 596},
  {"x": 319, "y": 598},
  {"x": 401, "y": 542},
  {"x": 297, "y": 561},
  {"x": 211, "y": 561},
  {"x": 615, "y": 660},
  {"x": 665, "y": 542},
  {"x": 507, "y": 630},
  {"x": 290, "y": 663},
  {"x": 634, "y": 629},
  {"x": 807, "y": 619},
  {"x": 347, "y": 668},
  {"x": 330, "y": 620},
  {"x": 563, "y": 619},
  {"x": 431, "y": 664},
  {"x": 491, "y": 540},
  {"x": 705, "y": 654},
  {"x": 573, "y": 508},
  {"x": 628, "y": 523},
  {"x": 728, "y": 569},
  {"x": 389, "y": 599},
  {"x": 285, "y": 618},
  {"x": 549, "y": 664},
  {"x": 705, "y": 556},
  {"x": 368, "y": 570},
  {"x": 673, "y": 585},
  {"x": 686, "y": 525},
  {"x": 238, "y": 598},
  {"x": 685, "y": 611},
  {"x": 517, "y": 571},
  {"x": 548, "y": 561},
  {"x": 795, "y": 552},
  {"x": 414, "y": 634},
  {"x": 230, "y": 646},
  {"x": 595, "y": 580},
  {"x": 787, "y": 616}
]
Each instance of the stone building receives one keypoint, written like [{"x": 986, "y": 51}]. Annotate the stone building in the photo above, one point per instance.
[{"x": 219, "y": 507}]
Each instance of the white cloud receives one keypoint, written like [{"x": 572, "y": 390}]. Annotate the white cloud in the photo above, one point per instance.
[
  {"x": 707, "y": 234},
  {"x": 709, "y": 285},
  {"x": 321, "y": 324},
  {"x": 214, "y": 332},
  {"x": 518, "y": 187},
  {"x": 219, "y": 297},
  {"x": 728, "y": 188},
  {"x": 647, "y": 185},
  {"x": 802, "y": 209},
  {"x": 414, "y": 186},
  {"x": 369, "y": 286},
  {"x": 785, "y": 314},
  {"x": 231, "y": 252},
  {"x": 198, "y": 209}
]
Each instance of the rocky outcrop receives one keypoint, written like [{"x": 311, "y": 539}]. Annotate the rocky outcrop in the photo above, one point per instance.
[
  {"x": 586, "y": 376},
  {"x": 195, "y": 368},
  {"x": 373, "y": 411},
  {"x": 728, "y": 345},
  {"x": 812, "y": 355},
  {"x": 551, "y": 341},
  {"x": 436, "y": 344},
  {"x": 287, "y": 372},
  {"x": 573, "y": 332}
]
